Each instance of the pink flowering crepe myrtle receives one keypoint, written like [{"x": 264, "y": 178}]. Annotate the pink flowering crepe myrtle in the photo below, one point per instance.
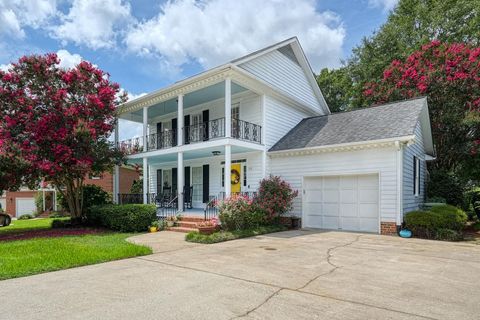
[
  {"x": 449, "y": 75},
  {"x": 55, "y": 124}
]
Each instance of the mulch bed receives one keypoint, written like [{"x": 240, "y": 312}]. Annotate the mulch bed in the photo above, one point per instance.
[
  {"x": 470, "y": 233},
  {"x": 49, "y": 233}
]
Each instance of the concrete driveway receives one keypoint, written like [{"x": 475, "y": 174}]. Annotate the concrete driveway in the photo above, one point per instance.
[{"x": 288, "y": 275}]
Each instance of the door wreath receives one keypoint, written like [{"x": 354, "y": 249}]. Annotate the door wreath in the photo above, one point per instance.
[{"x": 235, "y": 176}]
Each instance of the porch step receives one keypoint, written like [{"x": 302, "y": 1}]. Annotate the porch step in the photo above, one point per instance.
[
  {"x": 182, "y": 229},
  {"x": 192, "y": 219},
  {"x": 187, "y": 224}
]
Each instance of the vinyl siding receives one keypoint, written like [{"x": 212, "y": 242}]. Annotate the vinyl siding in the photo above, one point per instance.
[
  {"x": 253, "y": 163},
  {"x": 410, "y": 201},
  {"x": 383, "y": 161},
  {"x": 285, "y": 75}
]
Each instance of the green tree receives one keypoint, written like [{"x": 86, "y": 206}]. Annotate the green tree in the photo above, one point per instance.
[{"x": 336, "y": 86}]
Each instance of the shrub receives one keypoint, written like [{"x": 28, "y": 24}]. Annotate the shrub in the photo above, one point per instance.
[
  {"x": 238, "y": 213},
  {"x": 448, "y": 235},
  {"x": 432, "y": 224},
  {"x": 25, "y": 217},
  {"x": 475, "y": 201},
  {"x": 275, "y": 197},
  {"x": 58, "y": 214},
  {"x": 221, "y": 236},
  {"x": 58, "y": 223},
  {"x": 93, "y": 195},
  {"x": 125, "y": 218}
]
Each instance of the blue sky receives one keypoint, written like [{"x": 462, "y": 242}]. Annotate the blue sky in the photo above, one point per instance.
[{"x": 146, "y": 45}]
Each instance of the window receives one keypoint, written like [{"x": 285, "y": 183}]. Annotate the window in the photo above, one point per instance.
[
  {"x": 92, "y": 177},
  {"x": 416, "y": 176},
  {"x": 223, "y": 177}
]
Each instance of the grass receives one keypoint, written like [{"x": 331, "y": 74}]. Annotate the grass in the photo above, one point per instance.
[
  {"x": 27, "y": 225},
  {"x": 32, "y": 256},
  {"x": 221, "y": 236}
]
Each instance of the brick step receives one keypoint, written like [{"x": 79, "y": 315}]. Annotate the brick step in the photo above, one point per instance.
[
  {"x": 182, "y": 229},
  {"x": 187, "y": 224},
  {"x": 192, "y": 219}
]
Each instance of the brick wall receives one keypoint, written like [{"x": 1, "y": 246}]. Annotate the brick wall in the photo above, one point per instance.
[
  {"x": 388, "y": 228},
  {"x": 105, "y": 181},
  {"x": 11, "y": 200}
]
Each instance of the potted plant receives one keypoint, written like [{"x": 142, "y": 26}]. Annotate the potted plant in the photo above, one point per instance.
[
  {"x": 207, "y": 227},
  {"x": 154, "y": 226},
  {"x": 171, "y": 221}
]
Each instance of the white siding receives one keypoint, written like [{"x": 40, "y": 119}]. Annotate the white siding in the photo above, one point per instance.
[
  {"x": 285, "y": 75},
  {"x": 253, "y": 163},
  {"x": 410, "y": 201},
  {"x": 280, "y": 118},
  {"x": 383, "y": 161}
]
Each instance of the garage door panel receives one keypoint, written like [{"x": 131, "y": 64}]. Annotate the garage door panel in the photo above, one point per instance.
[
  {"x": 331, "y": 195},
  {"x": 348, "y": 196},
  {"x": 368, "y": 195},
  {"x": 367, "y": 210},
  {"x": 342, "y": 202},
  {"x": 25, "y": 206},
  {"x": 314, "y": 196}
]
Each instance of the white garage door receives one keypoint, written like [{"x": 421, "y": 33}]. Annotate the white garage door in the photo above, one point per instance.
[
  {"x": 342, "y": 202},
  {"x": 25, "y": 206}
]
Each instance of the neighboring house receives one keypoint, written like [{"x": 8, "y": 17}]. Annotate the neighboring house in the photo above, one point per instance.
[
  {"x": 222, "y": 131},
  {"x": 17, "y": 203}
]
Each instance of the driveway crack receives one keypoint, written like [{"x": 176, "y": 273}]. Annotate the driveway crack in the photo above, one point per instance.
[
  {"x": 329, "y": 257},
  {"x": 259, "y": 306}
]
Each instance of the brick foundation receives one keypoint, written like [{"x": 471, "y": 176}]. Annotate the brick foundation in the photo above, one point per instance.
[{"x": 388, "y": 228}]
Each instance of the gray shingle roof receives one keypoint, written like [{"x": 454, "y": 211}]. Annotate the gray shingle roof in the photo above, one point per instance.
[{"x": 391, "y": 120}]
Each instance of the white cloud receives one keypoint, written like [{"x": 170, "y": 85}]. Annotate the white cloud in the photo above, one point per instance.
[
  {"x": 132, "y": 96},
  {"x": 5, "y": 67},
  {"x": 385, "y": 5},
  {"x": 16, "y": 14},
  {"x": 94, "y": 23},
  {"x": 129, "y": 129},
  {"x": 212, "y": 32},
  {"x": 68, "y": 60}
]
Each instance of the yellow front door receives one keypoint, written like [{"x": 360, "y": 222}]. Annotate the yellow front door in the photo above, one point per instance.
[{"x": 235, "y": 178}]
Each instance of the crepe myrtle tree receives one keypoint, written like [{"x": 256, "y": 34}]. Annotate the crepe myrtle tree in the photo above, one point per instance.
[
  {"x": 55, "y": 124},
  {"x": 449, "y": 75}
]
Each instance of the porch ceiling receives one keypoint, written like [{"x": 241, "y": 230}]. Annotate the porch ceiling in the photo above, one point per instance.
[
  {"x": 191, "y": 99},
  {"x": 189, "y": 155}
]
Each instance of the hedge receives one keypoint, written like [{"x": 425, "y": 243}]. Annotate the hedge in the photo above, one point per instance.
[
  {"x": 124, "y": 218},
  {"x": 443, "y": 222}
]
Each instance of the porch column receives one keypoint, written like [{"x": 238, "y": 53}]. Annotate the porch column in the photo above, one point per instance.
[
  {"x": 180, "y": 120},
  {"x": 43, "y": 195},
  {"x": 180, "y": 181},
  {"x": 116, "y": 175},
  {"x": 145, "y": 128},
  {"x": 55, "y": 200},
  {"x": 145, "y": 180},
  {"x": 228, "y": 107},
  {"x": 228, "y": 169}
]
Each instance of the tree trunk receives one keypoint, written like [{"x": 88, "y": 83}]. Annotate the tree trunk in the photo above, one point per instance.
[{"x": 73, "y": 194}]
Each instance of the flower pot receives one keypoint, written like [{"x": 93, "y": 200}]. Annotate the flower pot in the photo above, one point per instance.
[
  {"x": 207, "y": 230},
  {"x": 170, "y": 224},
  {"x": 153, "y": 229}
]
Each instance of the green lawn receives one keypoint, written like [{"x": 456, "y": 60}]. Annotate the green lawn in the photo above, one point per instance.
[
  {"x": 27, "y": 257},
  {"x": 25, "y": 225}
]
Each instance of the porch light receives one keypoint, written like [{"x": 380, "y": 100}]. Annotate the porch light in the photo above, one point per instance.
[{"x": 216, "y": 153}]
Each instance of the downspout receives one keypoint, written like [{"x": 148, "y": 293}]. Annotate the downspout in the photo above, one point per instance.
[{"x": 399, "y": 161}]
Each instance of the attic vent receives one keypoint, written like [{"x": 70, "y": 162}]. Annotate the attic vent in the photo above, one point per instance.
[{"x": 288, "y": 52}]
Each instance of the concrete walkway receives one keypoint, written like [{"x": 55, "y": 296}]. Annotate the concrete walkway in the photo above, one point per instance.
[{"x": 288, "y": 275}]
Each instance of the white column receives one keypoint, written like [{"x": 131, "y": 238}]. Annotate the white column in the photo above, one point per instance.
[
  {"x": 145, "y": 127},
  {"x": 228, "y": 107},
  {"x": 43, "y": 195},
  {"x": 145, "y": 180},
  {"x": 180, "y": 181},
  {"x": 180, "y": 120},
  {"x": 116, "y": 175},
  {"x": 228, "y": 169},
  {"x": 55, "y": 200}
]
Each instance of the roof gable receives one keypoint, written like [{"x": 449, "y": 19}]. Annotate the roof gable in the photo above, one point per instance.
[{"x": 388, "y": 121}]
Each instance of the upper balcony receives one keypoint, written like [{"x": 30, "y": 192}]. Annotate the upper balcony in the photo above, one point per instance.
[{"x": 197, "y": 133}]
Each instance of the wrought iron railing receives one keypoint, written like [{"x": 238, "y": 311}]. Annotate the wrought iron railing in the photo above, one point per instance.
[
  {"x": 204, "y": 131},
  {"x": 168, "y": 209},
  {"x": 131, "y": 146},
  {"x": 247, "y": 131},
  {"x": 162, "y": 140}
]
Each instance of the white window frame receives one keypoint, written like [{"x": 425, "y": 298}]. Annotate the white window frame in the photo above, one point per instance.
[{"x": 417, "y": 177}]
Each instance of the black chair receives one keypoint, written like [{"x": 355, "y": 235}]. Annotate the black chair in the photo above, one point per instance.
[{"x": 187, "y": 197}]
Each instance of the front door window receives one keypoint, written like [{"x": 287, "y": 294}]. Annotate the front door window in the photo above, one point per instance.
[
  {"x": 197, "y": 184},
  {"x": 196, "y": 128}
]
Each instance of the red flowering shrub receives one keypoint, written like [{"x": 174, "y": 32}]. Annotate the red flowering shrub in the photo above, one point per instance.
[
  {"x": 55, "y": 124},
  {"x": 238, "y": 213},
  {"x": 275, "y": 197},
  {"x": 449, "y": 75}
]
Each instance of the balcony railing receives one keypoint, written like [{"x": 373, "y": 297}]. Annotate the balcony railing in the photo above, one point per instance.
[{"x": 205, "y": 131}]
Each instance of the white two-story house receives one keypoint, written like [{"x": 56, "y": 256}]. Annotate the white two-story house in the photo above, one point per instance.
[{"x": 222, "y": 131}]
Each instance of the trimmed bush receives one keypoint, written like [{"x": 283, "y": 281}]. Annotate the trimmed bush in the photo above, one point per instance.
[
  {"x": 124, "y": 218},
  {"x": 25, "y": 217},
  {"x": 434, "y": 223}
]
